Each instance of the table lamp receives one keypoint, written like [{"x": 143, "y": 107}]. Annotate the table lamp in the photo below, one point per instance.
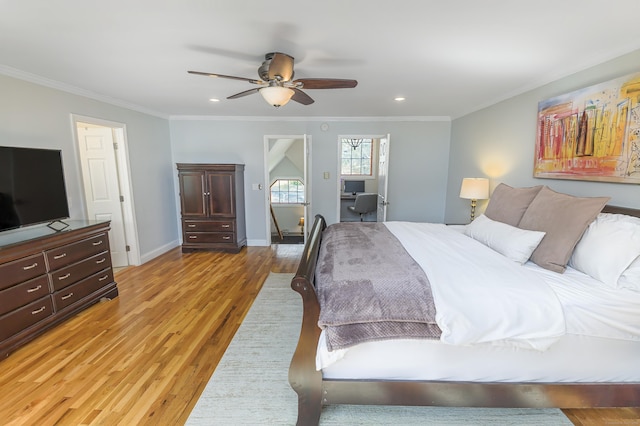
[{"x": 474, "y": 189}]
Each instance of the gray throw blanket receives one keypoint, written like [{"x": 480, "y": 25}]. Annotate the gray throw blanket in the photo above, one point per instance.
[{"x": 369, "y": 288}]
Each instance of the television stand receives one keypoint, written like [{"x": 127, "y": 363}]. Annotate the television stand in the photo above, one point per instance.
[{"x": 47, "y": 276}]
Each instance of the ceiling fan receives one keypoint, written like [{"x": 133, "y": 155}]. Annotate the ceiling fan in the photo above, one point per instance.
[{"x": 276, "y": 84}]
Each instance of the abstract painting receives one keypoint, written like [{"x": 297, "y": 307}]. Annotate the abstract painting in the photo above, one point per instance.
[{"x": 591, "y": 133}]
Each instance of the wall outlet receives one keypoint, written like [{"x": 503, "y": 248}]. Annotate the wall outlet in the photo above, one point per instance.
[{"x": 326, "y": 175}]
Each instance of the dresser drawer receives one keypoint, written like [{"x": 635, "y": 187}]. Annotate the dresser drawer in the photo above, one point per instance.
[
  {"x": 79, "y": 270},
  {"x": 21, "y": 270},
  {"x": 71, "y": 294},
  {"x": 62, "y": 256},
  {"x": 21, "y": 294},
  {"x": 209, "y": 237},
  {"x": 25, "y": 317},
  {"x": 208, "y": 226}
]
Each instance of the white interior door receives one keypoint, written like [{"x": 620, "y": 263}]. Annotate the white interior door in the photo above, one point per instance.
[
  {"x": 383, "y": 173},
  {"x": 101, "y": 187}
]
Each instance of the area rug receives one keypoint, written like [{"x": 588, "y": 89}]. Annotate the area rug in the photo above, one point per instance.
[{"x": 250, "y": 387}]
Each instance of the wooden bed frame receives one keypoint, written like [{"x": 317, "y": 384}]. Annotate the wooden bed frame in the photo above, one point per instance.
[{"x": 314, "y": 392}]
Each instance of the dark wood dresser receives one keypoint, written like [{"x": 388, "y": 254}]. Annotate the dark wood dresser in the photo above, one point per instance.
[
  {"x": 47, "y": 276},
  {"x": 212, "y": 206}
]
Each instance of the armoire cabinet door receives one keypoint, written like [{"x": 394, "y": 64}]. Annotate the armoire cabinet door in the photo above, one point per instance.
[
  {"x": 193, "y": 194},
  {"x": 221, "y": 194}
]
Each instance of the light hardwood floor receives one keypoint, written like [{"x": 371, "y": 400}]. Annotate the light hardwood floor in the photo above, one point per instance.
[{"x": 145, "y": 357}]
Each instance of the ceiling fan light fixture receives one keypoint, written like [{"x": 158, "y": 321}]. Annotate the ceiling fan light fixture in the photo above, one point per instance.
[{"x": 276, "y": 95}]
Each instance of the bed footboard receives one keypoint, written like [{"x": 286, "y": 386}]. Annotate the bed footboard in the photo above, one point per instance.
[{"x": 303, "y": 377}]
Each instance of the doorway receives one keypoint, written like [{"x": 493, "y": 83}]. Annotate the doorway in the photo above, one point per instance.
[
  {"x": 288, "y": 187},
  {"x": 363, "y": 165},
  {"x": 102, "y": 149}
]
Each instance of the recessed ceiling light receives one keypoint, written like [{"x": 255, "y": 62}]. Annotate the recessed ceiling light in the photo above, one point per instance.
[
  {"x": 214, "y": 100},
  {"x": 399, "y": 99}
]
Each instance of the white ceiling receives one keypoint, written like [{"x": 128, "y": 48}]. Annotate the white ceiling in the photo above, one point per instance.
[{"x": 447, "y": 58}]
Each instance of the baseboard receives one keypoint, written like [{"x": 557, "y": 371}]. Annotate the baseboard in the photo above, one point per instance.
[{"x": 158, "y": 251}]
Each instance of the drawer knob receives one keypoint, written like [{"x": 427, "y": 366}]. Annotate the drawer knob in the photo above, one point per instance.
[
  {"x": 26, "y": 268},
  {"x": 226, "y": 226},
  {"x": 191, "y": 225},
  {"x": 226, "y": 238},
  {"x": 192, "y": 237},
  {"x": 60, "y": 256},
  {"x": 31, "y": 290},
  {"x": 97, "y": 243},
  {"x": 67, "y": 296},
  {"x": 101, "y": 260},
  {"x": 37, "y": 311},
  {"x": 103, "y": 278},
  {"x": 64, "y": 277}
]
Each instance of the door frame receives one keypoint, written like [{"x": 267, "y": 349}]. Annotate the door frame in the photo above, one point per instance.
[
  {"x": 123, "y": 171},
  {"x": 376, "y": 165},
  {"x": 306, "y": 140}
]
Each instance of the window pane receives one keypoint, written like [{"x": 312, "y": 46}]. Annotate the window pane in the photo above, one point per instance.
[
  {"x": 287, "y": 191},
  {"x": 357, "y": 161}
]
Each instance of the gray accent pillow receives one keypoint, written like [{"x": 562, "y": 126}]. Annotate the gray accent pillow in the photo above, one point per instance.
[
  {"x": 564, "y": 218},
  {"x": 507, "y": 204}
]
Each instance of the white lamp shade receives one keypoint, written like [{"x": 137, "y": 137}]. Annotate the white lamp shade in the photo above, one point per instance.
[
  {"x": 276, "y": 95},
  {"x": 474, "y": 189}
]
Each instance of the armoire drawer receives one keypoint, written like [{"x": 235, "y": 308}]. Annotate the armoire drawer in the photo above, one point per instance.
[
  {"x": 209, "y": 237},
  {"x": 25, "y": 317},
  {"x": 64, "y": 255},
  {"x": 71, "y": 294},
  {"x": 21, "y": 294},
  {"x": 79, "y": 270},
  {"x": 21, "y": 270},
  {"x": 208, "y": 226}
]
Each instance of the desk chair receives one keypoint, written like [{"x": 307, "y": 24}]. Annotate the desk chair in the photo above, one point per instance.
[{"x": 365, "y": 203}]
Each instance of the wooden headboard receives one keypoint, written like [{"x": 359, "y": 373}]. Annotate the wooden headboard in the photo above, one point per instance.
[{"x": 621, "y": 210}]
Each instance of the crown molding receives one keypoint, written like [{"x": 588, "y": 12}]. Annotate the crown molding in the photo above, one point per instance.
[
  {"x": 307, "y": 119},
  {"x": 68, "y": 88}
]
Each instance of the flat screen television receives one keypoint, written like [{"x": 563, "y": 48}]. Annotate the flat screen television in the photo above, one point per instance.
[
  {"x": 32, "y": 187},
  {"x": 353, "y": 186}
]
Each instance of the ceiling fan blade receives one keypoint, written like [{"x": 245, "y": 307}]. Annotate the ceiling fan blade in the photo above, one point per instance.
[
  {"x": 210, "y": 74},
  {"x": 301, "y": 97},
  {"x": 326, "y": 83},
  {"x": 245, "y": 93},
  {"x": 281, "y": 65}
]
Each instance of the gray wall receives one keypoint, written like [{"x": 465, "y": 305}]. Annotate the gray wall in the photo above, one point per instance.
[
  {"x": 427, "y": 162},
  {"x": 418, "y": 161},
  {"x": 32, "y": 115},
  {"x": 498, "y": 142}
]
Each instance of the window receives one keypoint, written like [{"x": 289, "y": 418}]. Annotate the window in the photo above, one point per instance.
[
  {"x": 357, "y": 156},
  {"x": 287, "y": 191}
]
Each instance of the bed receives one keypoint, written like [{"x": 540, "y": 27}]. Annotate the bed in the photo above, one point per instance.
[{"x": 579, "y": 350}]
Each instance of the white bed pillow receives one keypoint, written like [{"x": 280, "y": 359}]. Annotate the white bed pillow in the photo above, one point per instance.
[
  {"x": 514, "y": 243},
  {"x": 630, "y": 278},
  {"x": 607, "y": 248}
]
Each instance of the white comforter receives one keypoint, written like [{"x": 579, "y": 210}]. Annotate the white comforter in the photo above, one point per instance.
[{"x": 481, "y": 296}]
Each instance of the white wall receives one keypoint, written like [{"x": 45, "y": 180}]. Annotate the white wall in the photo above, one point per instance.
[
  {"x": 418, "y": 161},
  {"x": 36, "y": 116},
  {"x": 498, "y": 142}
]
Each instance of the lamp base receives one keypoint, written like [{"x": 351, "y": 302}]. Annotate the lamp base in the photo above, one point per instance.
[{"x": 473, "y": 209}]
